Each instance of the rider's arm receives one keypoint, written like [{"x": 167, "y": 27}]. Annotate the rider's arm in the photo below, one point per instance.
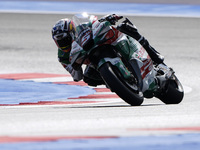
[{"x": 63, "y": 58}]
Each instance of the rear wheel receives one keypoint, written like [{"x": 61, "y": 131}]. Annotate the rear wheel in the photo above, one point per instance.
[
  {"x": 174, "y": 92},
  {"x": 128, "y": 92}
]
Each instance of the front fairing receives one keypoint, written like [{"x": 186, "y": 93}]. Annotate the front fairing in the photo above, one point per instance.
[
  {"x": 86, "y": 24},
  {"x": 102, "y": 32}
]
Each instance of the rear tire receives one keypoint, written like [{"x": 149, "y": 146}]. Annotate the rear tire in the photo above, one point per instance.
[
  {"x": 117, "y": 84},
  {"x": 174, "y": 93}
]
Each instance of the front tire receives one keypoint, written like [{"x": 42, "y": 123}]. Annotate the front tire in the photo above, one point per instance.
[{"x": 117, "y": 84}]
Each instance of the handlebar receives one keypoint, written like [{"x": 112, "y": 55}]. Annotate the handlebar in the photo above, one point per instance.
[
  {"x": 111, "y": 18},
  {"x": 118, "y": 17}
]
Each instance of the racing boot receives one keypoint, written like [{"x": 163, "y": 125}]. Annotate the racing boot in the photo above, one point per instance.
[
  {"x": 155, "y": 55},
  {"x": 92, "y": 77},
  {"x": 128, "y": 28}
]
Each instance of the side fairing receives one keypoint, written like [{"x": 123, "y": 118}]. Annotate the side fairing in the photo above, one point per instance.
[{"x": 145, "y": 64}]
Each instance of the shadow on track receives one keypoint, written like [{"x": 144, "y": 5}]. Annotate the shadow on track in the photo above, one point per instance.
[{"x": 111, "y": 106}]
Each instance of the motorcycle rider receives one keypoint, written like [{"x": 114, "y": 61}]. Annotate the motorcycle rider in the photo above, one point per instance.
[{"x": 63, "y": 33}]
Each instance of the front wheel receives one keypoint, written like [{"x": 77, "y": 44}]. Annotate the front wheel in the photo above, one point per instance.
[{"x": 120, "y": 86}]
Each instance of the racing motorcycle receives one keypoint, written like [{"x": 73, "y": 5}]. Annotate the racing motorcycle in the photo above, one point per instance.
[{"x": 122, "y": 62}]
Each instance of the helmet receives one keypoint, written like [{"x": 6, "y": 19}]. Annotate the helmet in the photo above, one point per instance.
[{"x": 63, "y": 33}]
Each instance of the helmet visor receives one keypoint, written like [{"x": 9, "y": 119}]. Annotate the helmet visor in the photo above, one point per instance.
[{"x": 63, "y": 42}]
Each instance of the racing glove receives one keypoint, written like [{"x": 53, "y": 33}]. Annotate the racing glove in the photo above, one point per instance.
[
  {"x": 111, "y": 18},
  {"x": 77, "y": 75}
]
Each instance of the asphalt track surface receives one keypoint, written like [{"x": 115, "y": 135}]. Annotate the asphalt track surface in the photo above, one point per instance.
[{"x": 27, "y": 47}]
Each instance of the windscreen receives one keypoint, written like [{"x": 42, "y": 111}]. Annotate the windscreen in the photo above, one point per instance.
[{"x": 81, "y": 22}]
